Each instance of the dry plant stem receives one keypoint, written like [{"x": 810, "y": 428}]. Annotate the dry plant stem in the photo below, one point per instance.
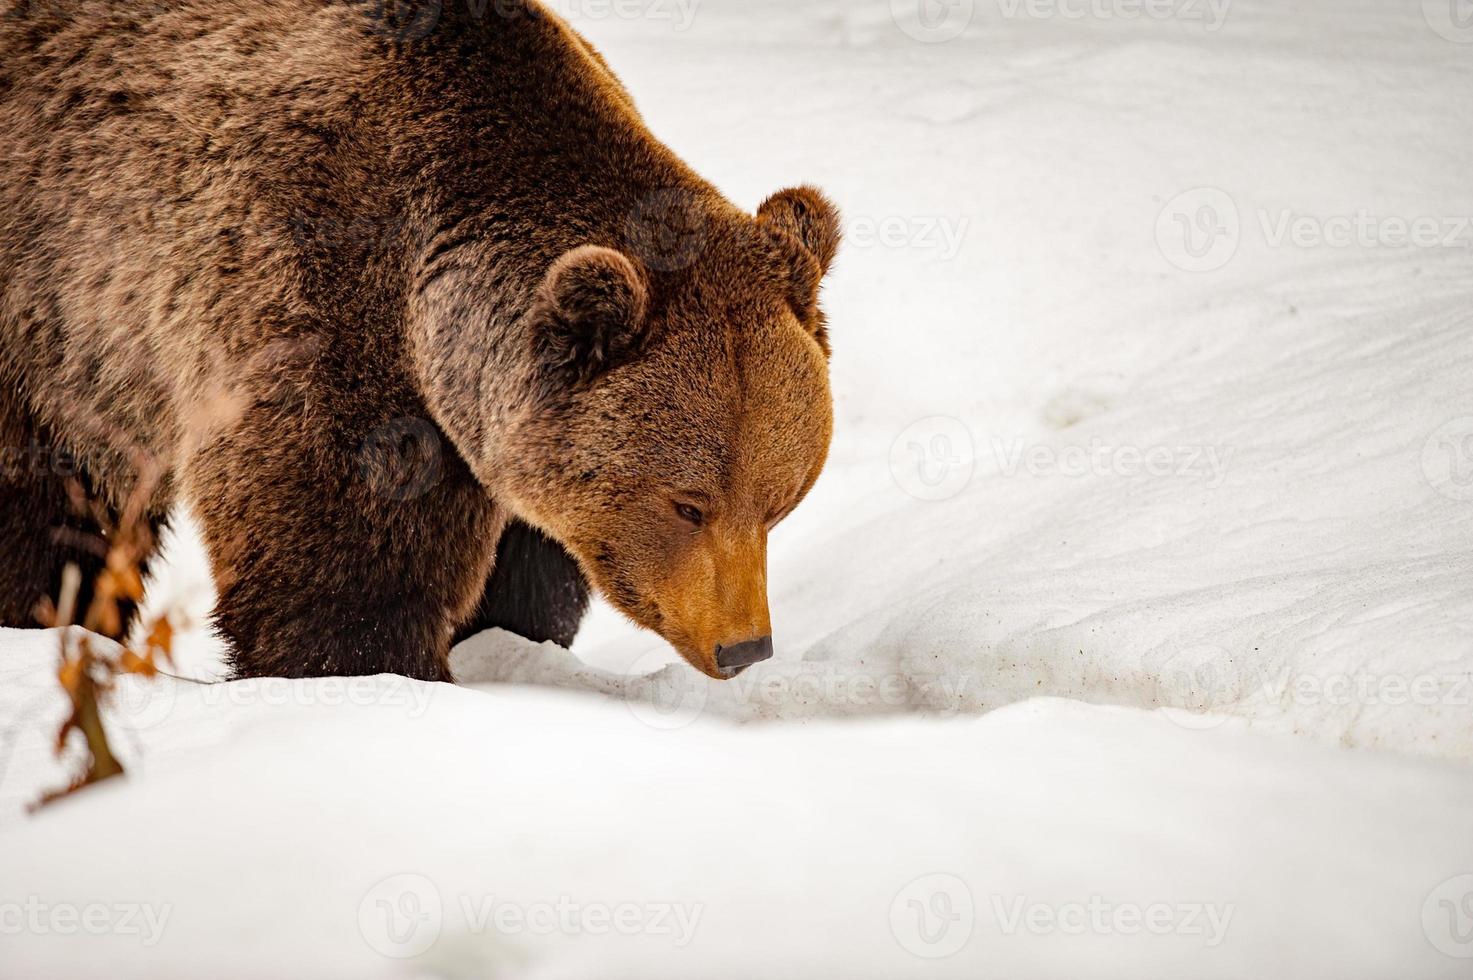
[
  {"x": 87, "y": 677},
  {"x": 85, "y": 690},
  {"x": 89, "y": 718}
]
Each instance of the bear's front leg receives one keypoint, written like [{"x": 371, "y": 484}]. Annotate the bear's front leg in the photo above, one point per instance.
[{"x": 341, "y": 546}]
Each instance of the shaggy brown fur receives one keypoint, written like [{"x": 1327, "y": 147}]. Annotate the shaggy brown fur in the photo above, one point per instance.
[{"x": 367, "y": 295}]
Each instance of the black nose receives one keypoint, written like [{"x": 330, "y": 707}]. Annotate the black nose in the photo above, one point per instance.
[{"x": 739, "y": 656}]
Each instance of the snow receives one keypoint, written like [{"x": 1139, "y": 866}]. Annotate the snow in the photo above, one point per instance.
[
  {"x": 791, "y": 848},
  {"x": 1136, "y": 591}
]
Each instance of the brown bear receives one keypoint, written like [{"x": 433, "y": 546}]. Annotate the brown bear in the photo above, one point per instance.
[{"x": 411, "y": 310}]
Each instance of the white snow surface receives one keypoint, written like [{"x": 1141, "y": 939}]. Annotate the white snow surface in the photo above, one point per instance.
[{"x": 1128, "y": 634}]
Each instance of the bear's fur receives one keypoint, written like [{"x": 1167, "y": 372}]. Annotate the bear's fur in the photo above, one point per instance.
[{"x": 372, "y": 294}]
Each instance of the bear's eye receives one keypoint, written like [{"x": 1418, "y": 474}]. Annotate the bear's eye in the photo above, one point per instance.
[{"x": 690, "y": 514}]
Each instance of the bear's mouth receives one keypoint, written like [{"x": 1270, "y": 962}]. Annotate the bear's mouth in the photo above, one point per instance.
[
  {"x": 713, "y": 661},
  {"x": 625, "y": 595}
]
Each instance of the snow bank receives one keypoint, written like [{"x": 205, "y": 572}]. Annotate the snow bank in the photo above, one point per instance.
[{"x": 511, "y": 832}]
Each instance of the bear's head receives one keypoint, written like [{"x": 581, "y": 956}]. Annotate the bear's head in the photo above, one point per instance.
[{"x": 681, "y": 410}]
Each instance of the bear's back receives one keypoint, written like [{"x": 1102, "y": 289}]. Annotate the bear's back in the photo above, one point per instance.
[
  {"x": 157, "y": 158},
  {"x": 186, "y": 185}
]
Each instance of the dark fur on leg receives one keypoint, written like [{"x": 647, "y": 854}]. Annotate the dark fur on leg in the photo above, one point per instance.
[
  {"x": 536, "y": 590},
  {"x": 44, "y": 498},
  {"x": 326, "y": 566}
]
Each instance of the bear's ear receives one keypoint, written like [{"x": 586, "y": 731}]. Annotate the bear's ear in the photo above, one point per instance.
[
  {"x": 805, "y": 218},
  {"x": 590, "y": 313},
  {"x": 807, "y": 215}
]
